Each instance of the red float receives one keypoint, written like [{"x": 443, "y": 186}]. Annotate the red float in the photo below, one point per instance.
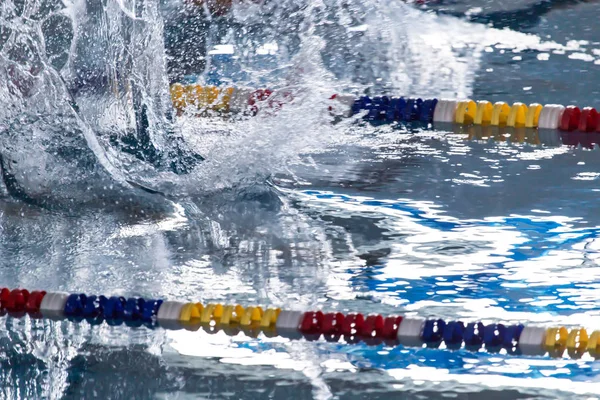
[
  {"x": 16, "y": 300},
  {"x": 259, "y": 95},
  {"x": 333, "y": 97},
  {"x": 373, "y": 327},
  {"x": 4, "y": 296},
  {"x": 332, "y": 323},
  {"x": 570, "y": 119},
  {"x": 311, "y": 323},
  {"x": 352, "y": 324},
  {"x": 34, "y": 301},
  {"x": 589, "y": 120},
  {"x": 390, "y": 328},
  {"x": 256, "y": 96}
]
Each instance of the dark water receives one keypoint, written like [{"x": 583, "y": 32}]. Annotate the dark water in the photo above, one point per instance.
[{"x": 289, "y": 210}]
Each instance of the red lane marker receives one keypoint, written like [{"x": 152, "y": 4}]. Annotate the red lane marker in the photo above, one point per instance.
[
  {"x": 311, "y": 323},
  {"x": 588, "y": 121},
  {"x": 34, "y": 301},
  {"x": 373, "y": 326},
  {"x": 16, "y": 300},
  {"x": 352, "y": 324},
  {"x": 256, "y": 96},
  {"x": 570, "y": 119},
  {"x": 390, "y": 327},
  {"x": 4, "y": 296},
  {"x": 332, "y": 323}
]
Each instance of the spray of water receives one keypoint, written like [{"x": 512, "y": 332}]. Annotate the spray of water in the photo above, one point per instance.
[
  {"x": 85, "y": 99},
  {"x": 326, "y": 47},
  {"x": 84, "y": 88}
]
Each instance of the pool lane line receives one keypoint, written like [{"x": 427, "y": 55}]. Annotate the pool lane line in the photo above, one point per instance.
[
  {"x": 394, "y": 109},
  {"x": 371, "y": 329}
]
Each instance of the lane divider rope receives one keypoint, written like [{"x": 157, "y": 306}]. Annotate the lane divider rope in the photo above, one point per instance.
[
  {"x": 372, "y": 329},
  {"x": 383, "y": 108}
]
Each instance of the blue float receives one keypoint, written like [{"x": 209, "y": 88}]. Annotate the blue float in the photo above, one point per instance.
[
  {"x": 133, "y": 309},
  {"x": 453, "y": 333},
  {"x": 362, "y": 103},
  {"x": 150, "y": 310},
  {"x": 493, "y": 335},
  {"x": 427, "y": 110},
  {"x": 511, "y": 336},
  {"x": 114, "y": 308},
  {"x": 433, "y": 331},
  {"x": 473, "y": 335},
  {"x": 375, "y": 108},
  {"x": 390, "y": 112},
  {"x": 91, "y": 307},
  {"x": 74, "y": 305},
  {"x": 412, "y": 110}
]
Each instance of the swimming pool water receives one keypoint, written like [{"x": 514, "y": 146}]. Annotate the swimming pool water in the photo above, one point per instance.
[{"x": 371, "y": 218}]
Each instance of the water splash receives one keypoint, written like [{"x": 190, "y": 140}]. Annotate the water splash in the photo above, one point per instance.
[
  {"x": 84, "y": 99},
  {"x": 86, "y": 88}
]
